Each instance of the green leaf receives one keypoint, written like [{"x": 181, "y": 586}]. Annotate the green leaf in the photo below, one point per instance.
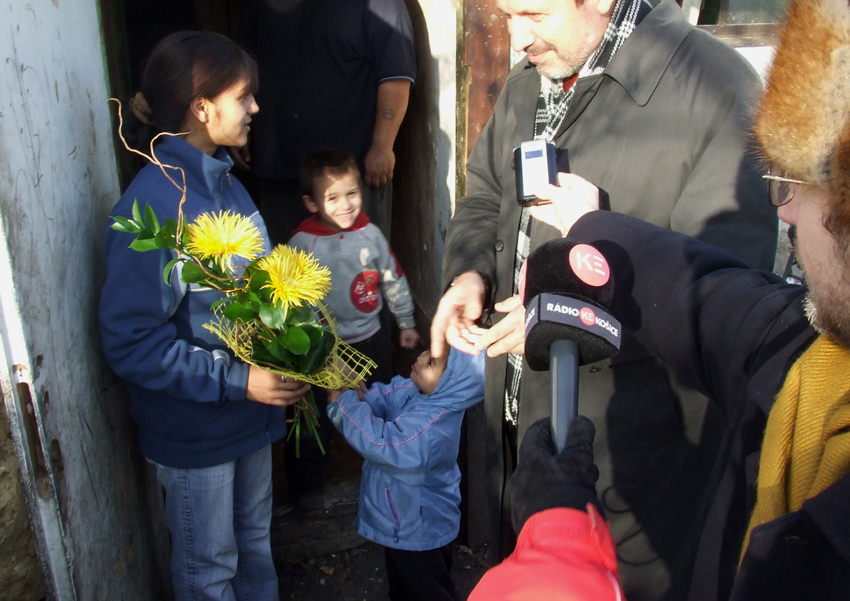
[
  {"x": 298, "y": 439},
  {"x": 249, "y": 301},
  {"x": 137, "y": 216},
  {"x": 297, "y": 341},
  {"x": 123, "y": 224},
  {"x": 277, "y": 349},
  {"x": 314, "y": 332},
  {"x": 163, "y": 240},
  {"x": 192, "y": 273},
  {"x": 310, "y": 400},
  {"x": 237, "y": 311},
  {"x": 184, "y": 234},
  {"x": 146, "y": 234},
  {"x": 261, "y": 355},
  {"x": 274, "y": 316},
  {"x": 168, "y": 232},
  {"x": 316, "y": 357},
  {"x": 301, "y": 315},
  {"x": 166, "y": 273},
  {"x": 143, "y": 244},
  {"x": 150, "y": 218},
  {"x": 259, "y": 278},
  {"x": 218, "y": 303}
]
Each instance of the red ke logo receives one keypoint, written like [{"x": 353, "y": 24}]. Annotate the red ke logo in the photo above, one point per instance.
[
  {"x": 365, "y": 290},
  {"x": 587, "y": 316},
  {"x": 589, "y": 265}
]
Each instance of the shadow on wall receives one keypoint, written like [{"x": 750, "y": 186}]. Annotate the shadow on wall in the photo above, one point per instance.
[{"x": 418, "y": 167}]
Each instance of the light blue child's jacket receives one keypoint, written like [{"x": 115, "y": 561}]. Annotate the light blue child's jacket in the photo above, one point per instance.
[{"x": 410, "y": 485}]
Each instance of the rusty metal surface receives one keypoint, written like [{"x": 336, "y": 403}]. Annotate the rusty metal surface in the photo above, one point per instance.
[{"x": 486, "y": 53}]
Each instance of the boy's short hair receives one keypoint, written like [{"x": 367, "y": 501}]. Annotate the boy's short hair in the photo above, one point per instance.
[{"x": 330, "y": 161}]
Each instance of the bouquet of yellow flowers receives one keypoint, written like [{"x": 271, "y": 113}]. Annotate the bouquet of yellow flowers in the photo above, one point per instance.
[{"x": 272, "y": 316}]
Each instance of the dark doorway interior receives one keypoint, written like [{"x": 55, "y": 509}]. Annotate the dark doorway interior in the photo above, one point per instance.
[{"x": 131, "y": 29}]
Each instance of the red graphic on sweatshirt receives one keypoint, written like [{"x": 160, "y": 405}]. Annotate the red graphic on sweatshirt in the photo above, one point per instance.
[{"x": 365, "y": 291}]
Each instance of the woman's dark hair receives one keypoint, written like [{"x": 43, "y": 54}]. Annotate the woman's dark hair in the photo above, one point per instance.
[{"x": 182, "y": 67}]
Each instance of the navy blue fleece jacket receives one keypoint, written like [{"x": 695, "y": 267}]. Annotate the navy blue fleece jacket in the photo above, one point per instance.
[{"x": 187, "y": 389}]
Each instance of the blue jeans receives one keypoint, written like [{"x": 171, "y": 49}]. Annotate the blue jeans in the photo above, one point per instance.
[{"x": 219, "y": 519}]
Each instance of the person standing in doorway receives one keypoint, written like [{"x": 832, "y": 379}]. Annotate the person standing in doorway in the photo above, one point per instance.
[
  {"x": 205, "y": 418},
  {"x": 336, "y": 74}
]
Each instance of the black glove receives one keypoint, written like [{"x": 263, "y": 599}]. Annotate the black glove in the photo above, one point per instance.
[{"x": 544, "y": 479}]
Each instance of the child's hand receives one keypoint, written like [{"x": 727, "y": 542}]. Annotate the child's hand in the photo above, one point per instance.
[
  {"x": 408, "y": 338},
  {"x": 334, "y": 394}
]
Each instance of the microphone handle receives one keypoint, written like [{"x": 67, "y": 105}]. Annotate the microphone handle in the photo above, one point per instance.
[{"x": 563, "y": 374}]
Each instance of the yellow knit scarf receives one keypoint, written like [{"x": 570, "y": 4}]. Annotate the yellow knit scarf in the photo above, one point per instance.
[{"x": 807, "y": 439}]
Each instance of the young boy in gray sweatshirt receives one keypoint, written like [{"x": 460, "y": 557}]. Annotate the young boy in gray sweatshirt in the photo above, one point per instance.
[
  {"x": 364, "y": 275},
  {"x": 364, "y": 270}
]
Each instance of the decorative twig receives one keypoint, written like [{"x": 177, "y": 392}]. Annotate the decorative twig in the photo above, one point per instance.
[{"x": 152, "y": 158}]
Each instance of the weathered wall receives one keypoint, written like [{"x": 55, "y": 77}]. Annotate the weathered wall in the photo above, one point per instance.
[{"x": 57, "y": 183}]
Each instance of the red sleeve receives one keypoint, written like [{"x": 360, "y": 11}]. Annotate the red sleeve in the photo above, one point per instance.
[{"x": 561, "y": 555}]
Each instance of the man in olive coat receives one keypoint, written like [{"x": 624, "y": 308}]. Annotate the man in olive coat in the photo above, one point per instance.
[{"x": 655, "y": 113}]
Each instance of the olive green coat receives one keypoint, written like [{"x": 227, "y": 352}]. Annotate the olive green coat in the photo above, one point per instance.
[{"x": 664, "y": 134}]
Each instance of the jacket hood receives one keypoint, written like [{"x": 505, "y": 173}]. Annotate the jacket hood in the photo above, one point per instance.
[{"x": 462, "y": 384}]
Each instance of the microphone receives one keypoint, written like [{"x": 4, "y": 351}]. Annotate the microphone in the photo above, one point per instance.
[{"x": 566, "y": 289}]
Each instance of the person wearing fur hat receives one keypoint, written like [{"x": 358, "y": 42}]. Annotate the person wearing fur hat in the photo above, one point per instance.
[{"x": 774, "y": 356}]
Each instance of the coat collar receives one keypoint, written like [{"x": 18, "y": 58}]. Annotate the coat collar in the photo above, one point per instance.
[
  {"x": 203, "y": 172},
  {"x": 638, "y": 66},
  {"x": 644, "y": 57}
]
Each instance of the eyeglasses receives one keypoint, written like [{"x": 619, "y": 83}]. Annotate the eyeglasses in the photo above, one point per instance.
[{"x": 779, "y": 190}]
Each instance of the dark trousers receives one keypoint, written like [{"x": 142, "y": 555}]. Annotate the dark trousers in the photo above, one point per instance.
[
  {"x": 420, "y": 575},
  {"x": 306, "y": 474},
  {"x": 379, "y": 348}
]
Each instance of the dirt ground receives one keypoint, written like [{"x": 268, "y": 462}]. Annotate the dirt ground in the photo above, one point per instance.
[{"x": 359, "y": 574}]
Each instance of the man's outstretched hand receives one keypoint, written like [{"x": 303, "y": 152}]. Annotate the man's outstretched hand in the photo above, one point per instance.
[
  {"x": 454, "y": 321},
  {"x": 507, "y": 335},
  {"x": 544, "y": 479}
]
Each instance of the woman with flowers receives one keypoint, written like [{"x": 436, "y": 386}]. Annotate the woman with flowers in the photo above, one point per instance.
[{"x": 206, "y": 419}]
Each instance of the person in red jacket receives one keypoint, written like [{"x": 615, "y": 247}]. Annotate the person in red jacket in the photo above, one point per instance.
[{"x": 564, "y": 551}]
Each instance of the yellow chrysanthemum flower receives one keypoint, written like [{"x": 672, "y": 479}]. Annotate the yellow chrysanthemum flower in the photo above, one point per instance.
[
  {"x": 224, "y": 235},
  {"x": 295, "y": 277}
]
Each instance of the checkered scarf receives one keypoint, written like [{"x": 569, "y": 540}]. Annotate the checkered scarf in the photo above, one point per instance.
[{"x": 552, "y": 106}]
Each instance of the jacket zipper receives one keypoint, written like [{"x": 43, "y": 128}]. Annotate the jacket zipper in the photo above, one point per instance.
[{"x": 393, "y": 512}]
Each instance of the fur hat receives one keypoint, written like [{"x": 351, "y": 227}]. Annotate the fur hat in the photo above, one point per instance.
[{"x": 803, "y": 122}]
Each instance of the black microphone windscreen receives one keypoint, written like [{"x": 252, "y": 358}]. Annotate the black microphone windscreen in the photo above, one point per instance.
[
  {"x": 569, "y": 269},
  {"x": 566, "y": 289}
]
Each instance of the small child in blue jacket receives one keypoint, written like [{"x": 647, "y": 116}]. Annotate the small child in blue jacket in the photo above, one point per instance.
[{"x": 408, "y": 432}]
